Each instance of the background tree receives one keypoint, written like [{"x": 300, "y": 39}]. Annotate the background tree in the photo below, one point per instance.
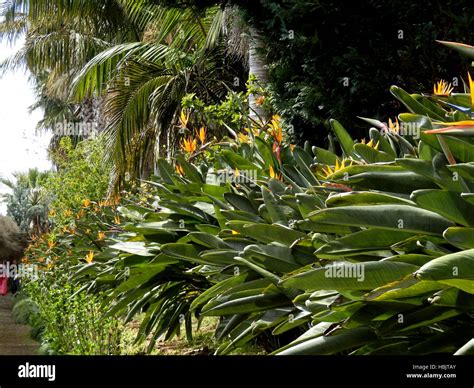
[
  {"x": 328, "y": 59},
  {"x": 11, "y": 246},
  {"x": 138, "y": 58},
  {"x": 27, "y": 201}
]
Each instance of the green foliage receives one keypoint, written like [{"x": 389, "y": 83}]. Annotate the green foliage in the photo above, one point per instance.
[
  {"x": 353, "y": 254},
  {"x": 73, "y": 321},
  {"x": 314, "y": 45},
  {"x": 229, "y": 112},
  {"x": 82, "y": 174},
  {"x": 364, "y": 248},
  {"x": 27, "y": 202},
  {"x": 23, "y": 311}
]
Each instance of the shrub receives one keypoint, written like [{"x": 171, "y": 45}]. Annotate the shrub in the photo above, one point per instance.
[
  {"x": 71, "y": 321},
  {"x": 23, "y": 311}
]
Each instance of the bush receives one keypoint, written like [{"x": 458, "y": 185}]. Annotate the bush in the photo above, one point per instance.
[
  {"x": 23, "y": 311},
  {"x": 82, "y": 174},
  {"x": 71, "y": 321}
]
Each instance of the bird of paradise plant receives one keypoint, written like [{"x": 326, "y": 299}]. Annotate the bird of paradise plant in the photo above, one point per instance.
[
  {"x": 442, "y": 88},
  {"x": 189, "y": 145}
]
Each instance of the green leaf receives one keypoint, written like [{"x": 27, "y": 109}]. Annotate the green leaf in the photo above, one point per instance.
[
  {"x": 237, "y": 161},
  {"x": 274, "y": 258},
  {"x": 304, "y": 161},
  {"x": 267, "y": 233},
  {"x": 241, "y": 215},
  {"x": 455, "y": 269},
  {"x": 447, "y": 204},
  {"x": 407, "y": 288},
  {"x": 241, "y": 202},
  {"x": 446, "y": 342},
  {"x": 185, "y": 252},
  {"x": 413, "y": 105},
  {"x": 391, "y": 180},
  {"x": 460, "y": 237},
  {"x": 432, "y": 171},
  {"x": 384, "y": 145},
  {"x": 462, "y": 150},
  {"x": 190, "y": 172},
  {"x": 462, "y": 48},
  {"x": 333, "y": 344},
  {"x": 324, "y": 156},
  {"x": 371, "y": 155},
  {"x": 206, "y": 240},
  {"x": 365, "y": 241},
  {"x": 453, "y": 297},
  {"x": 265, "y": 151},
  {"x": 218, "y": 257},
  {"x": 165, "y": 171},
  {"x": 246, "y": 304},
  {"x": 273, "y": 207},
  {"x": 308, "y": 203},
  {"x": 138, "y": 248},
  {"x": 345, "y": 140},
  {"x": 217, "y": 289},
  {"x": 466, "y": 349},
  {"x": 364, "y": 198},
  {"x": 350, "y": 276},
  {"x": 392, "y": 217}
]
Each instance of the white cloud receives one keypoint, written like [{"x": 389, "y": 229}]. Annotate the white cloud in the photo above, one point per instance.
[{"x": 20, "y": 147}]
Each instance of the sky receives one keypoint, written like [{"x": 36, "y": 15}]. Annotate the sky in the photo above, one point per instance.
[{"x": 20, "y": 147}]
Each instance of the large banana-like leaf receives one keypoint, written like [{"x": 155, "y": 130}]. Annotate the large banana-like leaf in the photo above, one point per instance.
[
  {"x": 245, "y": 302},
  {"x": 462, "y": 150},
  {"x": 332, "y": 344},
  {"x": 134, "y": 247},
  {"x": 466, "y": 349},
  {"x": 371, "y": 155},
  {"x": 345, "y": 140},
  {"x": 363, "y": 242},
  {"x": 393, "y": 217},
  {"x": 460, "y": 237},
  {"x": 274, "y": 258},
  {"x": 413, "y": 105},
  {"x": 350, "y": 276},
  {"x": 447, "y": 204},
  {"x": 391, "y": 181},
  {"x": 459, "y": 265},
  {"x": 465, "y": 49},
  {"x": 365, "y": 198},
  {"x": 267, "y": 233}
]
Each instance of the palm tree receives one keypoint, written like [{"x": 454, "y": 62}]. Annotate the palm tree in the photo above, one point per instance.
[
  {"x": 258, "y": 69},
  {"x": 27, "y": 202},
  {"x": 60, "y": 38},
  {"x": 138, "y": 58},
  {"x": 243, "y": 39}
]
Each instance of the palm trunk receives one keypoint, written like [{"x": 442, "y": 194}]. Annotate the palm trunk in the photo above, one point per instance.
[{"x": 258, "y": 69}]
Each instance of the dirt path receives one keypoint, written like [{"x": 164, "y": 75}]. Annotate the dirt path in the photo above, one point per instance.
[{"x": 14, "y": 339}]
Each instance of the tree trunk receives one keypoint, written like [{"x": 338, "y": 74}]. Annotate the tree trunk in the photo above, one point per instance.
[{"x": 258, "y": 69}]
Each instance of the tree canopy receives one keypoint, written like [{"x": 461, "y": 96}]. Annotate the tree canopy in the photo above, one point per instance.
[{"x": 10, "y": 239}]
